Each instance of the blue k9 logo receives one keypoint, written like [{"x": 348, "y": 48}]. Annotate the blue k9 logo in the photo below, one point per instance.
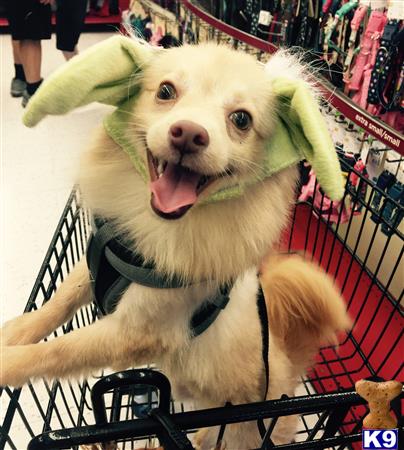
[{"x": 380, "y": 439}]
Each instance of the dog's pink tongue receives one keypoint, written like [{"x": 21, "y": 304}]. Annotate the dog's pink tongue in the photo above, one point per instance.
[{"x": 175, "y": 188}]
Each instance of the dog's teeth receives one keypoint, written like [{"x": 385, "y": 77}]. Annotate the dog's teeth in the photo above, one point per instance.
[{"x": 160, "y": 168}]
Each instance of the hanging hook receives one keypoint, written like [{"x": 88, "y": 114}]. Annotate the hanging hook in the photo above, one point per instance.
[
  {"x": 350, "y": 128},
  {"x": 340, "y": 118}
]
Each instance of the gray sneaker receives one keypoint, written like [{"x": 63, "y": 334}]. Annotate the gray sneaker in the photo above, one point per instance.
[
  {"x": 25, "y": 98},
  {"x": 17, "y": 87}
]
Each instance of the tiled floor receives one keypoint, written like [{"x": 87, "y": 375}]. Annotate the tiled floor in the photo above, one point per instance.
[{"x": 37, "y": 172}]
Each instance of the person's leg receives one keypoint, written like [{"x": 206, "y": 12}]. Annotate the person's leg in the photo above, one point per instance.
[
  {"x": 69, "y": 55},
  {"x": 36, "y": 26},
  {"x": 70, "y": 16},
  {"x": 18, "y": 83},
  {"x": 16, "y": 51},
  {"x": 30, "y": 22},
  {"x": 15, "y": 16},
  {"x": 31, "y": 56}
]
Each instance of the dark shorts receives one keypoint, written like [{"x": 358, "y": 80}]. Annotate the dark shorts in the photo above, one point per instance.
[
  {"x": 29, "y": 19},
  {"x": 70, "y": 16}
]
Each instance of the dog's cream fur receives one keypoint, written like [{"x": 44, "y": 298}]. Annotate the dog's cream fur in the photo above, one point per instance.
[{"x": 214, "y": 241}]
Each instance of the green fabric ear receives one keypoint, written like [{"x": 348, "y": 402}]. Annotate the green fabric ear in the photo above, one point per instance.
[
  {"x": 104, "y": 73},
  {"x": 302, "y": 133}
]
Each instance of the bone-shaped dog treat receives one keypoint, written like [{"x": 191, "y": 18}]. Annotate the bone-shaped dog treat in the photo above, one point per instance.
[{"x": 379, "y": 396}]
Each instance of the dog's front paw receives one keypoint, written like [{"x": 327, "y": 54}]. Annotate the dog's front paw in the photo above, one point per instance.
[
  {"x": 19, "y": 331},
  {"x": 14, "y": 366}
]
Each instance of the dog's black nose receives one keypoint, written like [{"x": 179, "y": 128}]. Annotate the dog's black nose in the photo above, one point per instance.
[{"x": 188, "y": 137}]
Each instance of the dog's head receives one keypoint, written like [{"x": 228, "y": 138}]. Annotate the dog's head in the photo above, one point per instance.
[
  {"x": 213, "y": 138},
  {"x": 203, "y": 118}
]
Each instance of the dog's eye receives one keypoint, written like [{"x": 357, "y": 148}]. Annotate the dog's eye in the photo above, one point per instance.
[
  {"x": 166, "y": 91},
  {"x": 241, "y": 119}
]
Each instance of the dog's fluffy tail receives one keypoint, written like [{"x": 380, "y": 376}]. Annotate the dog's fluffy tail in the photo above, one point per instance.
[{"x": 305, "y": 309}]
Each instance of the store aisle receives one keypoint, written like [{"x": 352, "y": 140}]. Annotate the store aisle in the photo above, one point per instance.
[{"x": 38, "y": 169}]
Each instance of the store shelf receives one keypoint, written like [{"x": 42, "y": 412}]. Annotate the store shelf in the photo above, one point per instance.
[{"x": 375, "y": 127}]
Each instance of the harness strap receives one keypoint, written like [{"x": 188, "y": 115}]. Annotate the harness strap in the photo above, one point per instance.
[
  {"x": 98, "y": 241},
  {"x": 114, "y": 267},
  {"x": 141, "y": 275},
  {"x": 113, "y": 294},
  {"x": 263, "y": 315},
  {"x": 133, "y": 271},
  {"x": 222, "y": 429},
  {"x": 208, "y": 312}
]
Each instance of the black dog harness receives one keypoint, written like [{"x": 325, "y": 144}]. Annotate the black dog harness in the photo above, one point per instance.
[{"x": 113, "y": 267}]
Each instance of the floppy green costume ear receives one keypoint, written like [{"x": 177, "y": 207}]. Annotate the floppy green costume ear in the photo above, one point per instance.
[
  {"x": 106, "y": 73},
  {"x": 302, "y": 133}
]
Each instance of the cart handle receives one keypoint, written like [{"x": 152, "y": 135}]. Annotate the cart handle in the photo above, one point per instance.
[{"x": 129, "y": 378}]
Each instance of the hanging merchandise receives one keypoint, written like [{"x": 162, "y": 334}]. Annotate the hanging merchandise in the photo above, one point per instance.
[
  {"x": 385, "y": 181},
  {"x": 388, "y": 212},
  {"x": 335, "y": 32},
  {"x": 334, "y": 211},
  {"x": 252, "y": 9},
  {"x": 358, "y": 45},
  {"x": 386, "y": 85},
  {"x": 188, "y": 34},
  {"x": 365, "y": 162},
  {"x": 357, "y": 21},
  {"x": 358, "y": 85},
  {"x": 394, "y": 218},
  {"x": 169, "y": 5},
  {"x": 152, "y": 22},
  {"x": 359, "y": 186},
  {"x": 391, "y": 221},
  {"x": 370, "y": 48}
]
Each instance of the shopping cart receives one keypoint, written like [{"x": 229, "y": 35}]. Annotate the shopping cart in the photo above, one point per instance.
[{"x": 133, "y": 406}]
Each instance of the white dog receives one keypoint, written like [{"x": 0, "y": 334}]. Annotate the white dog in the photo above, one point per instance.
[{"x": 200, "y": 124}]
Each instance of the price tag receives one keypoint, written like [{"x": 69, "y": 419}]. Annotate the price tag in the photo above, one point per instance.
[
  {"x": 265, "y": 18},
  {"x": 375, "y": 161}
]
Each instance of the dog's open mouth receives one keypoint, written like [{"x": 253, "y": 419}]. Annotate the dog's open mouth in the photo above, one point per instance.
[{"x": 175, "y": 188}]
